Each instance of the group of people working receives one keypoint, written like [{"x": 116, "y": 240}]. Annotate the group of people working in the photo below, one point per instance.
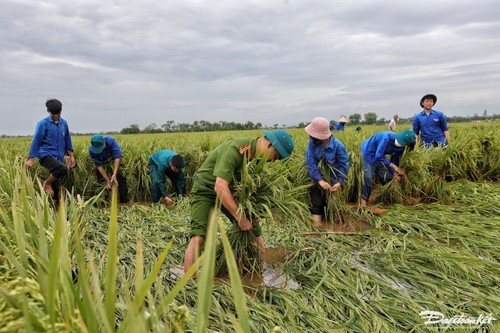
[{"x": 214, "y": 179}]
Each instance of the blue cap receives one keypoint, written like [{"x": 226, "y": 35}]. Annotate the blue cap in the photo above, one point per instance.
[
  {"x": 406, "y": 137},
  {"x": 282, "y": 141},
  {"x": 97, "y": 144}
]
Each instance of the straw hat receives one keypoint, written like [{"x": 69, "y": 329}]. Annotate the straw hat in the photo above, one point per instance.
[{"x": 343, "y": 120}]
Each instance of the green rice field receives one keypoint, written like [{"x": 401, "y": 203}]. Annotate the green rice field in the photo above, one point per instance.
[{"x": 97, "y": 266}]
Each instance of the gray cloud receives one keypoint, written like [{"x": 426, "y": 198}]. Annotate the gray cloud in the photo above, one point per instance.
[{"x": 271, "y": 61}]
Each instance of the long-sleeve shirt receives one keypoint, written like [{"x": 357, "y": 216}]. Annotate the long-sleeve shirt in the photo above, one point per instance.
[
  {"x": 51, "y": 139},
  {"x": 430, "y": 127},
  {"x": 340, "y": 127},
  {"x": 162, "y": 160},
  {"x": 334, "y": 157},
  {"x": 378, "y": 146},
  {"x": 111, "y": 150}
]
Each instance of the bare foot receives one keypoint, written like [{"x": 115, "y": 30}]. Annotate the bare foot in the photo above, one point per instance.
[{"x": 48, "y": 190}]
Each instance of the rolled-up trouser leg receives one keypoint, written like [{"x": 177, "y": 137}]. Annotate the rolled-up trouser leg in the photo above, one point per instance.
[{"x": 58, "y": 169}]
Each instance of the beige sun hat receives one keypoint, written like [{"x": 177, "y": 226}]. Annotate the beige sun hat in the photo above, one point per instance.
[
  {"x": 343, "y": 120},
  {"x": 319, "y": 128}
]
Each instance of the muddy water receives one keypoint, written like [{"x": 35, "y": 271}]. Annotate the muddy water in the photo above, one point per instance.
[{"x": 272, "y": 273}]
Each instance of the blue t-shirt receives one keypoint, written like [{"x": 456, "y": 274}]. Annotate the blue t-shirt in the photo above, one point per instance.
[
  {"x": 340, "y": 127},
  {"x": 378, "y": 146},
  {"x": 334, "y": 155},
  {"x": 430, "y": 127},
  {"x": 51, "y": 139},
  {"x": 111, "y": 150}
]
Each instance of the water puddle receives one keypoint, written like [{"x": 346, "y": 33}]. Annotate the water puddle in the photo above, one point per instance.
[{"x": 272, "y": 276}]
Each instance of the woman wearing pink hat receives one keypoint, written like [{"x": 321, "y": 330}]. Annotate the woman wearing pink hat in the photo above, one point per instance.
[{"x": 327, "y": 164}]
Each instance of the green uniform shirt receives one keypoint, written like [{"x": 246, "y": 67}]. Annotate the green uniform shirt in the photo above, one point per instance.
[{"x": 226, "y": 160}]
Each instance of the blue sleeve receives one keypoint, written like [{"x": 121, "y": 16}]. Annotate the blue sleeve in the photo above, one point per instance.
[
  {"x": 116, "y": 152},
  {"x": 416, "y": 125},
  {"x": 380, "y": 153},
  {"x": 162, "y": 180},
  {"x": 395, "y": 157},
  {"x": 343, "y": 159},
  {"x": 443, "y": 122},
  {"x": 37, "y": 139},
  {"x": 312, "y": 165}
]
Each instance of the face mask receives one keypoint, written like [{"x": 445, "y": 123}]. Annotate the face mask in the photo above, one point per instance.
[{"x": 397, "y": 143}]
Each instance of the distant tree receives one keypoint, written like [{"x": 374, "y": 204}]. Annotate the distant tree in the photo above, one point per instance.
[
  {"x": 151, "y": 128},
  {"x": 275, "y": 126},
  {"x": 370, "y": 118},
  {"x": 133, "y": 129},
  {"x": 355, "y": 118},
  {"x": 301, "y": 125},
  {"x": 168, "y": 126}
]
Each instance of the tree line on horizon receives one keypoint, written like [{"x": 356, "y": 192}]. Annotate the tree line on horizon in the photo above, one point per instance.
[{"x": 355, "y": 119}]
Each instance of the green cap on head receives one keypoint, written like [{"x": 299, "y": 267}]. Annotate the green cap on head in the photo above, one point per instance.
[
  {"x": 282, "y": 141},
  {"x": 97, "y": 144},
  {"x": 405, "y": 137}
]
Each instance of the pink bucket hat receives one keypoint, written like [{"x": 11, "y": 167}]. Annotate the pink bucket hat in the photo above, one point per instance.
[{"x": 319, "y": 128}]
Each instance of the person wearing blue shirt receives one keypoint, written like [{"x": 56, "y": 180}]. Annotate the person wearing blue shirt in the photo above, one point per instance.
[
  {"x": 341, "y": 124},
  {"x": 102, "y": 149},
  {"x": 375, "y": 162},
  {"x": 162, "y": 164},
  {"x": 430, "y": 126},
  {"x": 51, "y": 142},
  {"x": 324, "y": 149}
]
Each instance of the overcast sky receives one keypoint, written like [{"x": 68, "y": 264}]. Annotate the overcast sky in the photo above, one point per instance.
[{"x": 115, "y": 63}]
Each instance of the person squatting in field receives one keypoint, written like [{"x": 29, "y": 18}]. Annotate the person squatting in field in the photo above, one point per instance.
[
  {"x": 375, "y": 162},
  {"x": 101, "y": 150},
  {"x": 163, "y": 164},
  {"x": 326, "y": 150},
  {"x": 341, "y": 124},
  {"x": 51, "y": 142},
  {"x": 430, "y": 126},
  {"x": 215, "y": 180}
]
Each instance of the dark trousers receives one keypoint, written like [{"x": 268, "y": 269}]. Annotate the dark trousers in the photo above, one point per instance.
[
  {"x": 57, "y": 169},
  {"x": 318, "y": 200},
  {"x": 122, "y": 185}
]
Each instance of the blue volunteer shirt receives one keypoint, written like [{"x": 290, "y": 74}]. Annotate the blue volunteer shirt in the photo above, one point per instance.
[
  {"x": 162, "y": 160},
  {"x": 340, "y": 127},
  {"x": 378, "y": 146},
  {"x": 430, "y": 127},
  {"x": 111, "y": 150},
  {"x": 51, "y": 139},
  {"x": 334, "y": 155}
]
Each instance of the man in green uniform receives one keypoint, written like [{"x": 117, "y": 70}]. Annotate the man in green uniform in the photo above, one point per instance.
[{"x": 215, "y": 178}]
